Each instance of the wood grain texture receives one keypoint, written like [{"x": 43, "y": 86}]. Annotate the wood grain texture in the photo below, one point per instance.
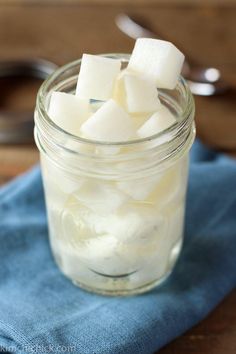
[
  {"x": 120, "y": 2},
  {"x": 15, "y": 160},
  {"x": 62, "y": 33},
  {"x": 215, "y": 335}
]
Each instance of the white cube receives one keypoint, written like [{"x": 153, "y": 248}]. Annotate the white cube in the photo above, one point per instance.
[
  {"x": 100, "y": 197},
  {"x": 59, "y": 184},
  {"x": 68, "y": 183},
  {"x": 138, "y": 229},
  {"x": 110, "y": 123},
  {"x": 159, "y": 121},
  {"x": 118, "y": 94},
  {"x": 68, "y": 111},
  {"x": 158, "y": 60},
  {"x": 171, "y": 189},
  {"x": 139, "y": 189},
  {"x": 129, "y": 224},
  {"x": 141, "y": 94},
  {"x": 97, "y": 77},
  {"x": 139, "y": 119},
  {"x": 101, "y": 254},
  {"x": 115, "y": 242}
]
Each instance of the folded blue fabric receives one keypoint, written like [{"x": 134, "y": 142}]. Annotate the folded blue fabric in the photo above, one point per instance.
[{"x": 41, "y": 311}]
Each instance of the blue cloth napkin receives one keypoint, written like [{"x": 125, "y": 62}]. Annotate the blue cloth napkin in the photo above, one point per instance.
[{"x": 41, "y": 311}]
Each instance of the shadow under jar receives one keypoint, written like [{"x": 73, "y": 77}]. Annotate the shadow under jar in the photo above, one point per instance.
[{"x": 115, "y": 211}]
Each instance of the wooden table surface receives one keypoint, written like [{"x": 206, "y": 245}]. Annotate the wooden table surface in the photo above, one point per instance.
[{"x": 62, "y": 33}]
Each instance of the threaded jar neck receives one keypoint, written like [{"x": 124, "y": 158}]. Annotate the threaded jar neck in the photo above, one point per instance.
[{"x": 147, "y": 155}]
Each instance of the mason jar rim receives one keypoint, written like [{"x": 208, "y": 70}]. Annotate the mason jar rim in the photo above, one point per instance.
[{"x": 44, "y": 90}]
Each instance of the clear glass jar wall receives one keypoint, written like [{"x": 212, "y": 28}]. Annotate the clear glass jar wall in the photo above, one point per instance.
[{"x": 115, "y": 211}]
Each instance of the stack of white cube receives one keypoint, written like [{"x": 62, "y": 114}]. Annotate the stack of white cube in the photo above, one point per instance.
[
  {"x": 127, "y": 108},
  {"x": 123, "y": 94}
]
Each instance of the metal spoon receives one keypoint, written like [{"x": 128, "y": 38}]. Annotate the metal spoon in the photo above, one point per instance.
[
  {"x": 16, "y": 127},
  {"x": 203, "y": 81}
]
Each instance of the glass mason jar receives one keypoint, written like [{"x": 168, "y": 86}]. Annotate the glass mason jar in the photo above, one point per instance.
[{"x": 115, "y": 211}]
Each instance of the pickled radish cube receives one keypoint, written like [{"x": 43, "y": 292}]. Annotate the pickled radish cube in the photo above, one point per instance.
[
  {"x": 159, "y": 121},
  {"x": 59, "y": 184},
  {"x": 68, "y": 111},
  {"x": 110, "y": 123},
  {"x": 66, "y": 183},
  {"x": 97, "y": 77},
  {"x": 139, "y": 189},
  {"x": 170, "y": 190},
  {"x": 100, "y": 197},
  {"x": 119, "y": 89},
  {"x": 74, "y": 229},
  {"x": 134, "y": 224},
  {"x": 102, "y": 255},
  {"x": 99, "y": 254},
  {"x": 141, "y": 94},
  {"x": 55, "y": 195},
  {"x": 158, "y": 60}
]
